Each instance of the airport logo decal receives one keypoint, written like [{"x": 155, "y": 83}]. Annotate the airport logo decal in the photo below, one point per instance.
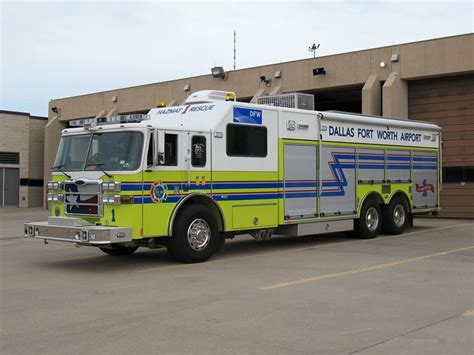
[
  {"x": 425, "y": 188},
  {"x": 158, "y": 192}
]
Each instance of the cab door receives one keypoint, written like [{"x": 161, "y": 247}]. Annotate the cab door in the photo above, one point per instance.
[
  {"x": 162, "y": 182},
  {"x": 197, "y": 173}
]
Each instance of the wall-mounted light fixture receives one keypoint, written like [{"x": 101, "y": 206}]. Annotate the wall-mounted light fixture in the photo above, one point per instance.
[
  {"x": 264, "y": 79},
  {"x": 277, "y": 74},
  {"x": 218, "y": 72},
  {"x": 187, "y": 87},
  {"x": 395, "y": 57},
  {"x": 54, "y": 109},
  {"x": 114, "y": 98},
  {"x": 319, "y": 71},
  {"x": 382, "y": 64}
]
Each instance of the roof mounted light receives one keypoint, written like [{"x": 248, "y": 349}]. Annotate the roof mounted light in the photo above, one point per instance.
[
  {"x": 92, "y": 122},
  {"x": 82, "y": 123},
  {"x": 132, "y": 118},
  {"x": 230, "y": 96}
]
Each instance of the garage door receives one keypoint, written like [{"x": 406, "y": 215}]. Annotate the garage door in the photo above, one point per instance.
[{"x": 449, "y": 102}]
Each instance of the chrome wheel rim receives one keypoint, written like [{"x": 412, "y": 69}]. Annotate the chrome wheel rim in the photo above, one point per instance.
[
  {"x": 399, "y": 215},
  {"x": 199, "y": 234},
  {"x": 372, "y": 219}
]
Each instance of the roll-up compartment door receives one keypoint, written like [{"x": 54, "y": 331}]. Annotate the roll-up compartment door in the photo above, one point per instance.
[
  {"x": 300, "y": 181},
  {"x": 338, "y": 195}
]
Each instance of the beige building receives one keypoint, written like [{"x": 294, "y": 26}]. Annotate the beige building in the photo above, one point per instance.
[
  {"x": 429, "y": 80},
  {"x": 21, "y": 159}
]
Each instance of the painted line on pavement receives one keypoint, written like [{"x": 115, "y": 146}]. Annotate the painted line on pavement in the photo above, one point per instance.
[
  {"x": 469, "y": 313},
  {"x": 365, "y": 269}
]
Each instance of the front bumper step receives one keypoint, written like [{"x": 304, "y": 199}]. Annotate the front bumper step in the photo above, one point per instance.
[{"x": 72, "y": 230}]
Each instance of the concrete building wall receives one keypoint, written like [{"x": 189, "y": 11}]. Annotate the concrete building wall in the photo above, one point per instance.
[{"x": 24, "y": 134}]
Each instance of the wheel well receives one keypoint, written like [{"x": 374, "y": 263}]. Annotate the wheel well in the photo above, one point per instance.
[
  {"x": 198, "y": 199},
  {"x": 372, "y": 195},
  {"x": 403, "y": 196}
]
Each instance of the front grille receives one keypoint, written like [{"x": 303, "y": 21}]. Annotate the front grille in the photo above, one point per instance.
[{"x": 82, "y": 198}]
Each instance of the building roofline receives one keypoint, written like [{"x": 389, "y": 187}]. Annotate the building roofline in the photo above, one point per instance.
[
  {"x": 19, "y": 113},
  {"x": 266, "y": 65}
]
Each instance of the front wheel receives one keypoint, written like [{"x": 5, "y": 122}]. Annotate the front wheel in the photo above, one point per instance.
[
  {"x": 369, "y": 224},
  {"x": 195, "y": 235},
  {"x": 118, "y": 250},
  {"x": 396, "y": 216}
]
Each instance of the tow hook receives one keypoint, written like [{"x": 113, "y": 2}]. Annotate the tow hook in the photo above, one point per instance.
[{"x": 45, "y": 241}]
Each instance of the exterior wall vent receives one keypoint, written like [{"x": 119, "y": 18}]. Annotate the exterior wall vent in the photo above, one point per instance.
[
  {"x": 9, "y": 158},
  {"x": 291, "y": 100}
]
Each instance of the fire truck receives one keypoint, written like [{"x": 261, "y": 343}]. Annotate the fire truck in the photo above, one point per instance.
[{"x": 189, "y": 177}]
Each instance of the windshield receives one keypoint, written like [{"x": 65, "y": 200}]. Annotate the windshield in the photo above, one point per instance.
[{"x": 113, "y": 151}]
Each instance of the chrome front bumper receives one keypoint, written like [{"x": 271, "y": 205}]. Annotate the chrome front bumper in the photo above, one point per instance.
[{"x": 74, "y": 230}]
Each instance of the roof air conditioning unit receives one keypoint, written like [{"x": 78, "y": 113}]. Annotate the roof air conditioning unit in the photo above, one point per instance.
[{"x": 291, "y": 100}]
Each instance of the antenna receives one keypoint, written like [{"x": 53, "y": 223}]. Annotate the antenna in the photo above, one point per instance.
[
  {"x": 234, "y": 47},
  {"x": 313, "y": 49}
]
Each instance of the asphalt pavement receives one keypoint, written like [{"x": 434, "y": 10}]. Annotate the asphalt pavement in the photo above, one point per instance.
[{"x": 326, "y": 294}]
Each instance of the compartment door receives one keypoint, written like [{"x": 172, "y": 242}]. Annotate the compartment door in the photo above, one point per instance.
[
  {"x": 338, "y": 195},
  {"x": 425, "y": 179},
  {"x": 299, "y": 185},
  {"x": 197, "y": 176}
]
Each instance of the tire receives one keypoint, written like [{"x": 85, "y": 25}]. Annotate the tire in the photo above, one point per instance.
[
  {"x": 117, "y": 250},
  {"x": 369, "y": 224},
  {"x": 396, "y": 217},
  {"x": 195, "y": 235}
]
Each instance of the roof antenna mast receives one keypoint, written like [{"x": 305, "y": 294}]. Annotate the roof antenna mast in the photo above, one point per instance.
[{"x": 234, "y": 47}]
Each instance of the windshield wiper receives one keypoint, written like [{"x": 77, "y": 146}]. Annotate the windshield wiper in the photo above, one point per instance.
[
  {"x": 59, "y": 167},
  {"x": 99, "y": 165}
]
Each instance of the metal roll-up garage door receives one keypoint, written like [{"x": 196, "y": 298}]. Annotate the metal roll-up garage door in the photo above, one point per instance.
[{"x": 449, "y": 102}]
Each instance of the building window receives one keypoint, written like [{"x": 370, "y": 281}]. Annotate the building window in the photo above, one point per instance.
[
  {"x": 198, "y": 151},
  {"x": 9, "y": 158},
  {"x": 246, "y": 141},
  {"x": 456, "y": 174}
]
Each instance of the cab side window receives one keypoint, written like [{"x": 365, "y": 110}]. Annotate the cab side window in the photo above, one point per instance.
[
  {"x": 171, "y": 149},
  {"x": 198, "y": 153}
]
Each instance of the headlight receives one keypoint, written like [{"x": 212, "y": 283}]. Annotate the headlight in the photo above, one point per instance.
[
  {"x": 111, "y": 199},
  {"x": 54, "y": 185},
  {"x": 55, "y": 197},
  {"x": 111, "y": 186}
]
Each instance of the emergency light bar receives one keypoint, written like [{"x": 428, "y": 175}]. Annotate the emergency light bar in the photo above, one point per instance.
[{"x": 90, "y": 122}]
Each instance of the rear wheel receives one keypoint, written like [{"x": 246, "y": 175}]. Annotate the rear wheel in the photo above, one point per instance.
[
  {"x": 369, "y": 224},
  {"x": 118, "y": 250},
  {"x": 195, "y": 235},
  {"x": 396, "y": 216}
]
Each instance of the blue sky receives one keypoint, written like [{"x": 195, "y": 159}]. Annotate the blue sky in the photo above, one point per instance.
[{"x": 58, "y": 49}]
